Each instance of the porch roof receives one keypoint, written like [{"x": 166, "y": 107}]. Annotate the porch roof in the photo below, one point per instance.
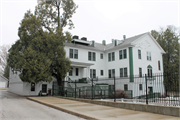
[{"x": 81, "y": 64}]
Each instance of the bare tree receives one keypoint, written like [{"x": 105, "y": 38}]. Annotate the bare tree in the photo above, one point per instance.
[{"x": 3, "y": 57}]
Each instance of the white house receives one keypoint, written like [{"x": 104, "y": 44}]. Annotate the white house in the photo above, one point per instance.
[
  {"x": 3, "y": 81},
  {"x": 136, "y": 55}
]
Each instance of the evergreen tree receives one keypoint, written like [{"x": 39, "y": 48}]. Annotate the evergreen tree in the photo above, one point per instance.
[
  {"x": 168, "y": 39},
  {"x": 39, "y": 54}
]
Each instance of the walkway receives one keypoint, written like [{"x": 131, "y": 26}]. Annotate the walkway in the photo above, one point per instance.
[{"x": 92, "y": 111}]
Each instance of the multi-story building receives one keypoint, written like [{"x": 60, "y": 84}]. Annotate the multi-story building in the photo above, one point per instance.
[{"x": 136, "y": 55}]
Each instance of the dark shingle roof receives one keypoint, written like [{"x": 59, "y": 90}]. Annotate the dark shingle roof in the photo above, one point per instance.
[
  {"x": 125, "y": 42},
  {"x": 101, "y": 47}
]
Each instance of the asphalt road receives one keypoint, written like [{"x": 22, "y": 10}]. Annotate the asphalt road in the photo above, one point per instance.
[{"x": 14, "y": 107}]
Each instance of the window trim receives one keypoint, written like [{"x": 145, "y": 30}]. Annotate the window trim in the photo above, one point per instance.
[
  {"x": 101, "y": 55},
  {"x": 75, "y": 53},
  {"x": 101, "y": 72},
  {"x": 123, "y": 54},
  {"x": 120, "y": 54},
  {"x": 149, "y": 71},
  {"x": 91, "y": 56},
  {"x": 111, "y": 56},
  {"x": 111, "y": 73},
  {"x": 149, "y": 58},
  {"x": 126, "y": 86},
  {"x": 140, "y": 72},
  {"x": 140, "y": 87},
  {"x": 159, "y": 65},
  {"x": 139, "y": 54},
  {"x": 122, "y": 72},
  {"x": 71, "y": 53},
  {"x": 92, "y": 73}
]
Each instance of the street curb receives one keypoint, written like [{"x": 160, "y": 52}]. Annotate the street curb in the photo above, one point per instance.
[{"x": 62, "y": 109}]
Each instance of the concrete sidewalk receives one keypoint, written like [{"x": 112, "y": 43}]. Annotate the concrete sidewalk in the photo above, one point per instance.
[{"x": 92, "y": 111}]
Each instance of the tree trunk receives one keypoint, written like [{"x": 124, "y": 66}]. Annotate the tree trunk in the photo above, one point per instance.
[{"x": 61, "y": 86}]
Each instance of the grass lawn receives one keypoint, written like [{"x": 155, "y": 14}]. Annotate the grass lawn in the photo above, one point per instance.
[{"x": 3, "y": 88}]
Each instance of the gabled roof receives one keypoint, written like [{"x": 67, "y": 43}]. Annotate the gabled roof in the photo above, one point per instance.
[{"x": 120, "y": 43}]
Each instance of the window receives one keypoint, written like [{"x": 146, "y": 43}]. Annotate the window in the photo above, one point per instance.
[
  {"x": 111, "y": 56},
  {"x": 149, "y": 56},
  {"x": 123, "y": 72},
  {"x": 76, "y": 54},
  {"x": 101, "y": 56},
  {"x": 139, "y": 54},
  {"x": 101, "y": 72},
  {"x": 159, "y": 65},
  {"x": 92, "y": 73},
  {"x": 71, "y": 72},
  {"x": 32, "y": 86},
  {"x": 140, "y": 72},
  {"x": 140, "y": 86},
  {"x": 44, "y": 88},
  {"x": 149, "y": 72},
  {"x": 111, "y": 73},
  {"x": 73, "y": 53},
  {"x": 92, "y": 56},
  {"x": 122, "y": 54},
  {"x": 89, "y": 55},
  {"x": 125, "y": 87},
  {"x": 77, "y": 71}
]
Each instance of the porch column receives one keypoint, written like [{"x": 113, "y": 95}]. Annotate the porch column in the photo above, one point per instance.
[{"x": 87, "y": 71}]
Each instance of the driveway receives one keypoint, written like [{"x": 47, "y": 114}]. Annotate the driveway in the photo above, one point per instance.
[{"x": 15, "y": 107}]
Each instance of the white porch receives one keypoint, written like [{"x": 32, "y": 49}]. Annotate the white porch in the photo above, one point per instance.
[{"x": 79, "y": 70}]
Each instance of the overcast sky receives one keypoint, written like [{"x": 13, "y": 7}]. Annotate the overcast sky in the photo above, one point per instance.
[{"x": 98, "y": 19}]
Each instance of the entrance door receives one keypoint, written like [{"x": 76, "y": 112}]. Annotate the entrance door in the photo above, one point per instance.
[
  {"x": 150, "y": 89},
  {"x": 44, "y": 88}
]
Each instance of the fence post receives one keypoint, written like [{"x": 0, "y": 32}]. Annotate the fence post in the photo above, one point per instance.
[
  {"x": 66, "y": 93},
  {"x": 146, "y": 90},
  {"x": 75, "y": 88},
  {"x": 53, "y": 89},
  {"x": 79, "y": 92},
  {"x": 92, "y": 90},
  {"x": 114, "y": 89}
]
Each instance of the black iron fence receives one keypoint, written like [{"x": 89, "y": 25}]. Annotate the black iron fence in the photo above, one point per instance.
[{"x": 149, "y": 89}]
